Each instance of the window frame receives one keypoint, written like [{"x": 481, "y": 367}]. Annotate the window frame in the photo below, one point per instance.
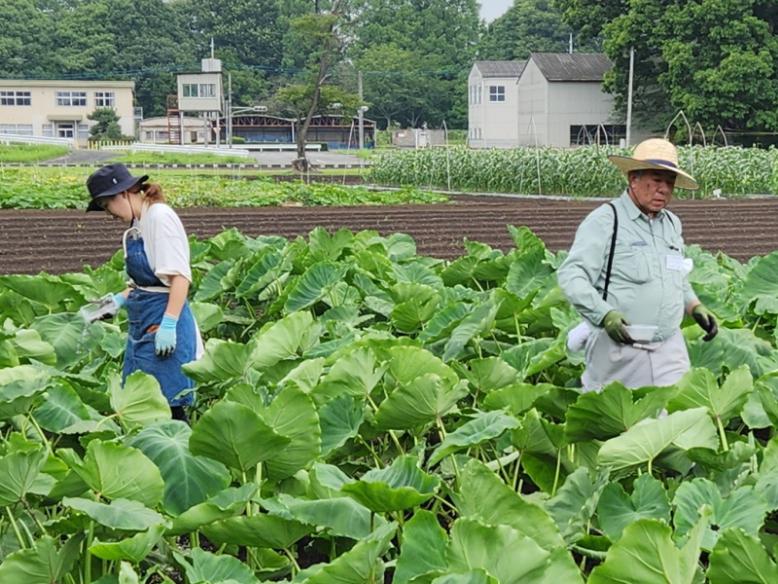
[{"x": 497, "y": 94}]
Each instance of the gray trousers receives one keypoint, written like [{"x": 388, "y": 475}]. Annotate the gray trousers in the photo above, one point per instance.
[{"x": 649, "y": 364}]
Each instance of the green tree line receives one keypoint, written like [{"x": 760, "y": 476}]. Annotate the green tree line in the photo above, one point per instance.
[{"x": 715, "y": 59}]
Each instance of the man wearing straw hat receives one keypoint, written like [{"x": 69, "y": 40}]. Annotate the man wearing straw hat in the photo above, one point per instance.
[{"x": 627, "y": 276}]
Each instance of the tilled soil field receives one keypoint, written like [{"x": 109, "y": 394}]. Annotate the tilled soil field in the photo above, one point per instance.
[{"x": 64, "y": 241}]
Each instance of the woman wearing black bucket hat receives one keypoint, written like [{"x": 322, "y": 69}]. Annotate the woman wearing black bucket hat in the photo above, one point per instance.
[{"x": 163, "y": 334}]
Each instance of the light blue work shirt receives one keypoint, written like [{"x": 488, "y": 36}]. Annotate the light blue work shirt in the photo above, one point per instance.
[{"x": 648, "y": 284}]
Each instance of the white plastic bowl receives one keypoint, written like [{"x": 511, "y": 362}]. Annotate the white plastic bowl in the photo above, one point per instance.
[{"x": 641, "y": 332}]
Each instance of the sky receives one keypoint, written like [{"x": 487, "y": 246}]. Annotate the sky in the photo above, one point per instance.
[{"x": 491, "y": 9}]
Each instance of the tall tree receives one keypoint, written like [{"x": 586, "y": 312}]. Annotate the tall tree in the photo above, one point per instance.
[
  {"x": 320, "y": 40},
  {"x": 26, "y": 41},
  {"x": 247, "y": 38},
  {"x": 714, "y": 59},
  {"x": 528, "y": 26},
  {"x": 440, "y": 38}
]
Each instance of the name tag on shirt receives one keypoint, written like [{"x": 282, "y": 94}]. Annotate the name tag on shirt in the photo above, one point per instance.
[{"x": 675, "y": 263}]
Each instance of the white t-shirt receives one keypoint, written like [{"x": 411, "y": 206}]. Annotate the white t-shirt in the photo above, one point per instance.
[
  {"x": 167, "y": 249},
  {"x": 165, "y": 242}
]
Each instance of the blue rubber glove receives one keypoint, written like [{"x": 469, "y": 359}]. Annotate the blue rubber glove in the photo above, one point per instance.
[
  {"x": 120, "y": 300},
  {"x": 165, "y": 339}
]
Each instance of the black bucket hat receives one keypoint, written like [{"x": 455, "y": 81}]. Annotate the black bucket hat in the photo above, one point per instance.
[{"x": 108, "y": 181}]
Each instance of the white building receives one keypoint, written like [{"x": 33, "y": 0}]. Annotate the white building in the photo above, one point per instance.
[
  {"x": 59, "y": 108},
  {"x": 493, "y": 102},
  {"x": 552, "y": 99},
  {"x": 167, "y": 130}
]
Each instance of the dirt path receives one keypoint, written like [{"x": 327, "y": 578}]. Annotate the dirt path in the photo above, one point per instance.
[{"x": 62, "y": 241}]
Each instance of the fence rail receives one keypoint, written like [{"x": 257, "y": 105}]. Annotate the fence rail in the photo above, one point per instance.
[
  {"x": 180, "y": 149},
  {"x": 22, "y": 139}
]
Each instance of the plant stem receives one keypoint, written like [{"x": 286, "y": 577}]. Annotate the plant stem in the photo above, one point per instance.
[
  {"x": 295, "y": 565},
  {"x": 649, "y": 467},
  {"x": 15, "y": 528},
  {"x": 722, "y": 434},
  {"x": 556, "y": 471}
]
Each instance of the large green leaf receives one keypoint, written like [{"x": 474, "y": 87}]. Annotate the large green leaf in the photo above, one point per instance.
[
  {"x": 400, "y": 486},
  {"x": 516, "y": 398},
  {"x": 140, "y": 401},
  {"x": 50, "y": 291},
  {"x": 616, "y": 509},
  {"x": 119, "y": 514},
  {"x": 235, "y": 435},
  {"x": 292, "y": 414},
  {"x": 204, "y": 567},
  {"x": 70, "y": 336},
  {"x": 265, "y": 269},
  {"x": 484, "y": 426},
  {"x": 41, "y": 564},
  {"x": 507, "y": 555},
  {"x": 423, "y": 548},
  {"x": 18, "y": 387},
  {"x": 222, "y": 361},
  {"x": 208, "y": 316},
  {"x": 264, "y": 530},
  {"x": 283, "y": 339},
  {"x": 421, "y": 401},
  {"x": 483, "y": 496},
  {"x": 490, "y": 373},
  {"x": 360, "y": 565},
  {"x": 355, "y": 373},
  {"x": 29, "y": 346},
  {"x": 574, "y": 503},
  {"x": 603, "y": 415},
  {"x": 767, "y": 479},
  {"x": 314, "y": 285},
  {"x": 62, "y": 408},
  {"x": 132, "y": 549},
  {"x": 698, "y": 388},
  {"x": 211, "y": 285},
  {"x": 18, "y": 471},
  {"x": 341, "y": 516},
  {"x": 340, "y": 419},
  {"x": 733, "y": 348},
  {"x": 739, "y": 558},
  {"x": 407, "y": 363},
  {"x": 741, "y": 508},
  {"x": 227, "y": 503},
  {"x": 118, "y": 472},
  {"x": 189, "y": 479},
  {"x": 477, "y": 323},
  {"x": 644, "y": 441},
  {"x": 646, "y": 554}
]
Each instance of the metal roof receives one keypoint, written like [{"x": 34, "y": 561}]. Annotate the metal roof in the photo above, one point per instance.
[
  {"x": 500, "y": 68},
  {"x": 572, "y": 66},
  {"x": 24, "y": 83}
]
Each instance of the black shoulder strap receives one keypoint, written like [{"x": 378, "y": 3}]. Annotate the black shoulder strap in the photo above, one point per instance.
[{"x": 610, "y": 255}]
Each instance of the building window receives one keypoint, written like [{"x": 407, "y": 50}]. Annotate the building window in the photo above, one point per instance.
[
  {"x": 478, "y": 94},
  {"x": 15, "y": 98},
  {"x": 584, "y": 134},
  {"x": 65, "y": 130},
  {"x": 190, "y": 90},
  {"x": 83, "y": 131},
  {"x": 18, "y": 129},
  {"x": 105, "y": 99},
  {"x": 496, "y": 93},
  {"x": 70, "y": 98},
  {"x": 207, "y": 90},
  {"x": 48, "y": 130},
  {"x": 199, "y": 90}
]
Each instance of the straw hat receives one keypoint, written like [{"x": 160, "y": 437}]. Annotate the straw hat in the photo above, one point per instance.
[{"x": 655, "y": 154}]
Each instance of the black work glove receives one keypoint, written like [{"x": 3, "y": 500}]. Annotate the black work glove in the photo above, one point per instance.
[
  {"x": 706, "y": 320},
  {"x": 615, "y": 325}
]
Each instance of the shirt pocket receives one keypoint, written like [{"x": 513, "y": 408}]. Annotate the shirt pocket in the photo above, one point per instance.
[{"x": 630, "y": 264}]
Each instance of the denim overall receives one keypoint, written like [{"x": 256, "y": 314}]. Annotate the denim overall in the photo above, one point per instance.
[{"x": 146, "y": 308}]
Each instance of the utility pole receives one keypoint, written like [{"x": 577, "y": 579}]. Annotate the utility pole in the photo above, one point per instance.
[
  {"x": 229, "y": 109},
  {"x": 629, "y": 93},
  {"x": 361, "y": 110}
]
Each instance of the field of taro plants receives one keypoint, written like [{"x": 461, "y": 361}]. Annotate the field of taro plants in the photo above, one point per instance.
[{"x": 366, "y": 415}]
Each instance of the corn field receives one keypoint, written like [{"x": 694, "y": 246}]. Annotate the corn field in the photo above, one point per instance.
[{"x": 579, "y": 172}]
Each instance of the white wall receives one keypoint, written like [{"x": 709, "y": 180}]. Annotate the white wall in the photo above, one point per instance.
[
  {"x": 492, "y": 124},
  {"x": 575, "y": 104},
  {"x": 533, "y": 106},
  {"x": 45, "y": 116}
]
